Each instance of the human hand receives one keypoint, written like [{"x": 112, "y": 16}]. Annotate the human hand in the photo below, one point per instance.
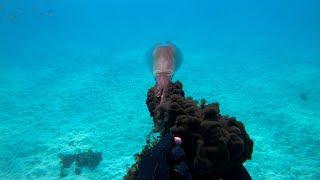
[{"x": 177, "y": 140}]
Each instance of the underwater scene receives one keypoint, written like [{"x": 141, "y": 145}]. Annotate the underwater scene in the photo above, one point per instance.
[{"x": 89, "y": 88}]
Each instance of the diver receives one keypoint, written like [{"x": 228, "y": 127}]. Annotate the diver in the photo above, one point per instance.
[
  {"x": 166, "y": 156},
  {"x": 167, "y": 159}
]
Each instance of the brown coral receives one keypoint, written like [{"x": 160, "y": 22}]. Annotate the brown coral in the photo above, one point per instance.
[{"x": 214, "y": 144}]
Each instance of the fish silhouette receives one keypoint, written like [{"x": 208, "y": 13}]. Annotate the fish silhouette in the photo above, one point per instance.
[{"x": 12, "y": 18}]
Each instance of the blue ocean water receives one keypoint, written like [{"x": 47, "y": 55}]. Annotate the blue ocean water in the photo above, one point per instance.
[{"x": 73, "y": 76}]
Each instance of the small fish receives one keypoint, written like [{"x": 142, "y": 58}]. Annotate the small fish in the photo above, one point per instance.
[
  {"x": 12, "y": 18},
  {"x": 71, "y": 143},
  {"x": 49, "y": 12},
  {"x": 303, "y": 97}
]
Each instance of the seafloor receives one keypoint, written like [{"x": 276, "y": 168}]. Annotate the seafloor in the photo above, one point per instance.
[{"x": 97, "y": 101}]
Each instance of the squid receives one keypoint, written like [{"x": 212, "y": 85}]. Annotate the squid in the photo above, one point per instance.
[{"x": 166, "y": 59}]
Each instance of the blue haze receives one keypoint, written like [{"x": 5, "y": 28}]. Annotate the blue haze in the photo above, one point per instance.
[{"x": 73, "y": 76}]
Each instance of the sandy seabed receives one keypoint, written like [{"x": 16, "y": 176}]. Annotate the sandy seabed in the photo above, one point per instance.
[{"x": 98, "y": 102}]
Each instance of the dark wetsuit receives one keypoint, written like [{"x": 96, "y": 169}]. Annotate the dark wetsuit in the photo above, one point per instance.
[{"x": 154, "y": 165}]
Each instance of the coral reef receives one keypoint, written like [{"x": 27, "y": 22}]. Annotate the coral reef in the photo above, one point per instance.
[
  {"x": 214, "y": 144},
  {"x": 87, "y": 159}
]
